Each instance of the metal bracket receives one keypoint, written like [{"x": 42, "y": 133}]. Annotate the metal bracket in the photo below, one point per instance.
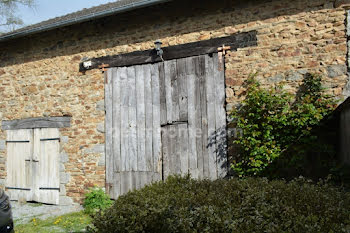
[
  {"x": 103, "y": 67},
  {"x": 223, "y": 49},
  {"x": 221, "y": 53}
]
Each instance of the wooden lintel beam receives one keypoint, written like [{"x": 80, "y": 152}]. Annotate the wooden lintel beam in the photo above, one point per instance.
[
  {"x": 40, "y": 122},
  {"x": 239, "y": 40}
]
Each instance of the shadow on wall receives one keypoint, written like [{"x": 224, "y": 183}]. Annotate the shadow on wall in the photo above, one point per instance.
[{"x": 144, "y": 25}]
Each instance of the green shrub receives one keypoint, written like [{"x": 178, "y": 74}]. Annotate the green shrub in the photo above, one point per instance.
[
  {"x": 96, "y": 199},
  {"x": 279, "y": 126},
  {"x": 237, "y": 205}
]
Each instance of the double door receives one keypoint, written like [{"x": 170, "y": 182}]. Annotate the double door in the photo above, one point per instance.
[
  {"x": 33, "y": 165},
  {"x": 163, "y": 119}
]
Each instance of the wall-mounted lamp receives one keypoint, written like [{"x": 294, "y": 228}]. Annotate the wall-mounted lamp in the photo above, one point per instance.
[{"x": 158, "y": 47}]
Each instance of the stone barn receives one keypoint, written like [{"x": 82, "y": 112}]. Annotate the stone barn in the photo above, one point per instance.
[{"x": 129, "y": 92}]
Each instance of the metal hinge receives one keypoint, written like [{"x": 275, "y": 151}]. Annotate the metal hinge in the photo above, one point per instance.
[
  {"x": 14, "y": 188},
  {"x": 50, "y": 139},
  {"x": 41, "y": 188},
  {"x": 17, "y": 141}
]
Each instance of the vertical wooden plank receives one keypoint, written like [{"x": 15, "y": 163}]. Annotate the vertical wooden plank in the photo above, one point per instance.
[
  {"x": 183, "y": 138},
  {"x": 108, "y": 125},
  {"x": 156, "y": 136},
  {"x": 165, "y": 152},
  {"x": 191, "y": 82},
  {"x": 132, "y": 156},
  {"x": 221, "y": 135},
  {"x": 141, "y": 117},
  {"x": 175, "y": 95},
  {"x": 162, "y": 95},
  {"x": 149, "y": 117},
  {"x": 116, "y": 185},
  {"x": 124, "y": 129},
  {"x": 170, "y": 76},
  {"x": 211, "y": 143},
  {"x": 125, "y": 182},
  {"x": 203, "y": 162},
  {"x": 182, "y": 89},
  {"x": 116, "y": 123},
  {"x": 198, "y": 113},
  {"x": 176, "y": 140}
]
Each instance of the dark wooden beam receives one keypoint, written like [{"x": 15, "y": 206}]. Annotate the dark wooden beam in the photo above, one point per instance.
[
  {"x": 42, "y": 122},
  {"x": 239, "y": 40}
]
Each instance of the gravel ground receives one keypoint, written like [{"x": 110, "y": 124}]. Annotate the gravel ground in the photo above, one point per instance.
[{"x": 23, "y": 213}]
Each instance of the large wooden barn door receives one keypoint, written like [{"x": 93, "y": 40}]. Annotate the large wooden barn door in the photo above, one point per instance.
[
  {"x": 133, "y": 143},
  {"x": 194, "y": 132},
  {"x": 165, "y": 118},
  {"x": 19, "y": 155}
]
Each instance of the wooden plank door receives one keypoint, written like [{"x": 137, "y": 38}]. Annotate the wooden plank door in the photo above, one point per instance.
[
  {"x": 19, "y": 155},
  {"x": 194, "y": 100},
  {"x": 133, "y": 137},
  {"x": 46, "y": 166}
]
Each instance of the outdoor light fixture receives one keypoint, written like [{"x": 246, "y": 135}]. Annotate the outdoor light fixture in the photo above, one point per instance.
[{"x": 158, "y": 45}]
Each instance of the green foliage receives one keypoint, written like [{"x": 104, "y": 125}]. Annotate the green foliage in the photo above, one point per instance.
[
  {"x": 96, "y": 199},
  {"x": 275, "y": 123},
  {"x": 72, "y": 222},
  {"x": 8, "y": 9},
  {"x": 236, "y": 205}
]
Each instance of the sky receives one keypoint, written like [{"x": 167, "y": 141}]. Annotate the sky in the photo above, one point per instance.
[{"x": 47, "y": 9}]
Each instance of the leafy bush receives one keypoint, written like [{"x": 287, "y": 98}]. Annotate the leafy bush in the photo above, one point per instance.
[
  {"x": 275, "y": 123},
  {"x": 237, "y": 205},
  {"x": 96, "y": 199}
]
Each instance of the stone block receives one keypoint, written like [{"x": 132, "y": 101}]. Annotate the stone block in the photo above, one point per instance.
[
  {"x": 336, "y": 70},
  {"x": 101, "y": 127},
  {"x": 64, "y": 178},
  {"x": 102, "y": 160},
  {"x": 62, "y": 167},
  {"x": 277, "y": 78},
  {"x": 64, "y": 139},
  {"x": 100, "y": 105},
  {"x": 96, "y": 149},
  {"x": 294, "y": 76},
  {"x": 63, "y": 191},
  {"x": 2, "y": 145},
  {"x": 64, "y": 157},
  {"x": 65, "y": 200}
]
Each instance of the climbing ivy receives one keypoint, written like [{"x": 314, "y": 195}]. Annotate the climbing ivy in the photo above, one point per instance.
[{"x": 274, "y": 122}]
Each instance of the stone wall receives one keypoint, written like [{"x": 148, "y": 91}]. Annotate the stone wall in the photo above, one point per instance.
[{"x": 39, "y": 74}]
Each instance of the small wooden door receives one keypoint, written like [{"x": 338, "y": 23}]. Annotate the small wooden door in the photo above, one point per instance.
[
  {"x": 162, "y": 119},
  {"x": 33, "y": 165},
  {"x": 45, "y": 165}
]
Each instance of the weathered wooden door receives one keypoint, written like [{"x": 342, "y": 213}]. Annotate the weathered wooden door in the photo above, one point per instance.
[
  {"x": 165, "y": 118},
  {"x": 19, "y": 180},
  {"x": 194, "y": 130},
  {"x": 133, "y": 143},
  {"x": 45, "y": 166},
  {"x": 33, "y": 165}
]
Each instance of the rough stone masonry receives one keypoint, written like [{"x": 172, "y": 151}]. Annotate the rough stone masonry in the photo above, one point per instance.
[{"x": 39, "y": 74}]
